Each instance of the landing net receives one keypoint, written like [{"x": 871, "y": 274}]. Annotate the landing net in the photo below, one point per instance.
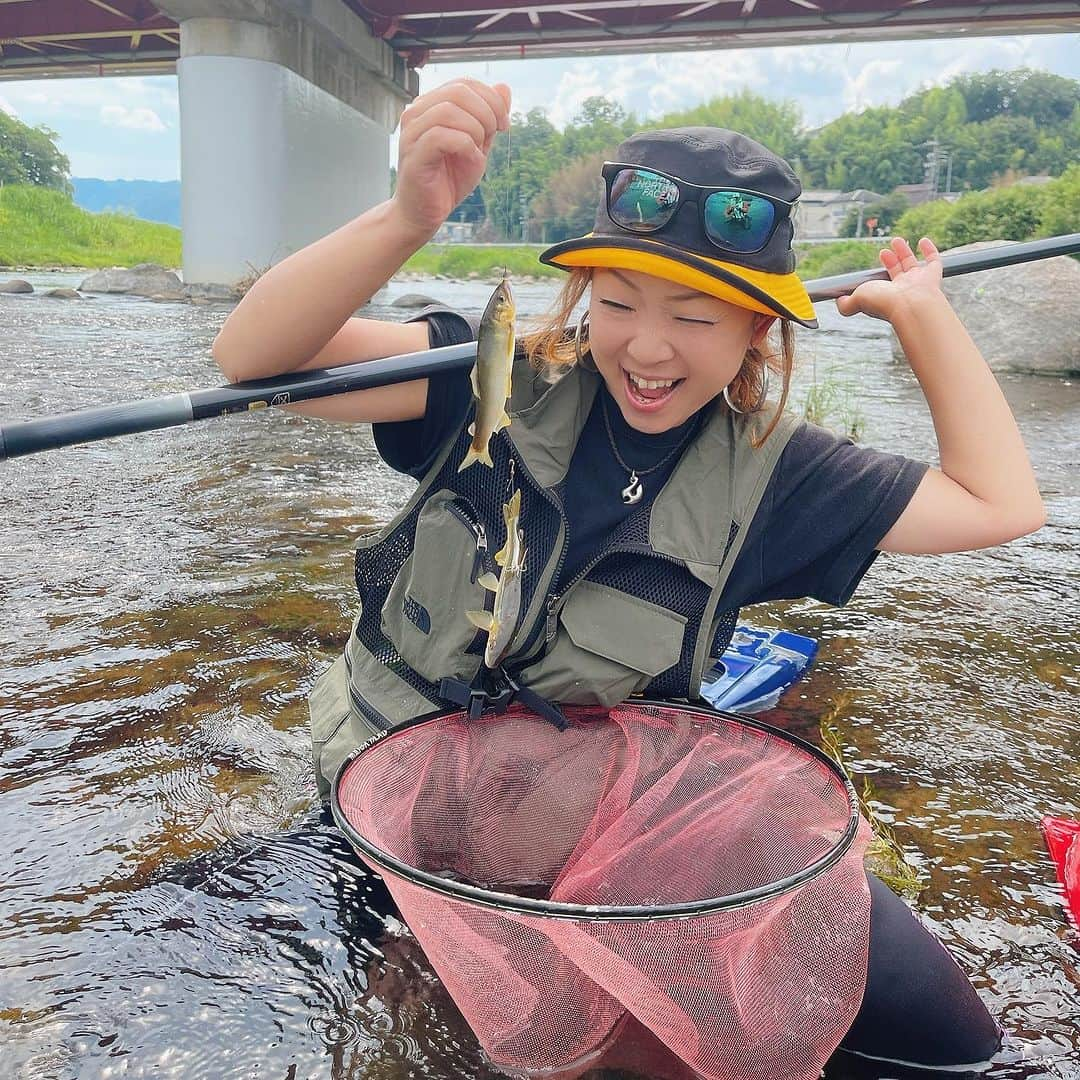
[{"x": 695, "y": 874}]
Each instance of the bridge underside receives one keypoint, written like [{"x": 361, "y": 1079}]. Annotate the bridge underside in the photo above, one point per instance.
[{"x": 65, "y": 38}]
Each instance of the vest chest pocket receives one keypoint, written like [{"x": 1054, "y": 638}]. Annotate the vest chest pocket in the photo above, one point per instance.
[
  {"x": 424, "y": 613},
  {"x": 609, "y": 645}
]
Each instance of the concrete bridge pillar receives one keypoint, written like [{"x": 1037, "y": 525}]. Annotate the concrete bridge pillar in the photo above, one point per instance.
[{"x": 286, "y": 112}]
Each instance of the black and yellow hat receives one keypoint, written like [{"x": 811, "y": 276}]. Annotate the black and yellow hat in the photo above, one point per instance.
[{"x": 685, "y": 205}]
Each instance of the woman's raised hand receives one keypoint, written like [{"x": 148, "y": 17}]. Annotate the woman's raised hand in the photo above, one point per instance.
[
  {"x": 908, "y": 280},
  {"x": 446, "y": 136}
]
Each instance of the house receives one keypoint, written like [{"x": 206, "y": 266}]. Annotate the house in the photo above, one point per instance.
[
  {"x": 454, "y": 232},
  {"x": 821, "y": 212}
]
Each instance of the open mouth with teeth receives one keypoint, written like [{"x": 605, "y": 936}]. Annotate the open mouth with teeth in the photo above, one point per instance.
[{"x": 649, "y": 393}]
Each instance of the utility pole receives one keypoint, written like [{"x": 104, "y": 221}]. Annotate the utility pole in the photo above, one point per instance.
[{"x": 937, "y": 155}]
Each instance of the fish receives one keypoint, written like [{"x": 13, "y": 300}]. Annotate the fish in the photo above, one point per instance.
[
  {"x": 501, "y": 622},
  {"x": 491, "y": 373}
]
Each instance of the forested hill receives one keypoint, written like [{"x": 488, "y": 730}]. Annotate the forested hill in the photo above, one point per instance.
[
  {"x": 152, "y": 200},
  {"x": 979, "y": 131},
  {"x": 985, "y": 129}
]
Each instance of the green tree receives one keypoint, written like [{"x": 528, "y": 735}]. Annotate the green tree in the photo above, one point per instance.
[
  {"x": 598, "y": 126},
  {"x": 1061, "y": 204},
  {"x": 29, "y": 155},
  {"x": 931, "y": 219},
  {"x": 992, "y": 122},
  {"x": 1013, "y": 213},
  {"x": 567, "y": 205},
  {"x": 1045, "y": 98},
  {"x": 514, "y": 179},
  {"x": 775, "y": 124},
  {"x": 989, "y": 149},
  {"x": 849, "y": 152}
]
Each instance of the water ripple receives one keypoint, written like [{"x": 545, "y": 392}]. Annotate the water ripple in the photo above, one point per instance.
[{"x": 173, "y": 907}]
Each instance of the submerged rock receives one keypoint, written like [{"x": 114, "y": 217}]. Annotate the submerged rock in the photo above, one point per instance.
[
  {"x": 413, "y": 300},
  {"x": 16, "y": 285},
  {"x": 1023, "y": 317},
  {"x": 65, "y": 294},
  {"x": 211, "y": 293},
  {"x": 156, "y": 283}
]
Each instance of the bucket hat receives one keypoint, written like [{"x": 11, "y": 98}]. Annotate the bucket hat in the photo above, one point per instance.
[{"x": 698, "y": 245}]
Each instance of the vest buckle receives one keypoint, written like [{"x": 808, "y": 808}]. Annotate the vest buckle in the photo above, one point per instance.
[{"x": 493, "y": 691}]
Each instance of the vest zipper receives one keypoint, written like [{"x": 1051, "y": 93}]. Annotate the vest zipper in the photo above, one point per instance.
[
  {"x": 483, "y": 562},
  {"x": 556, "y": 502},
  {"x": 361, "y": 704},
  {"x": 476, "y": 527}
]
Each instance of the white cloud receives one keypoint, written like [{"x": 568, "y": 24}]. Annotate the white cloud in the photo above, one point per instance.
[
  {"x": 60, "y": 102},
  {"x": 824, "y": 80},
  {"x": 864, "y": 88},
  {"x": 140, "y": 119},
  {"x": 103, "y": 123}
]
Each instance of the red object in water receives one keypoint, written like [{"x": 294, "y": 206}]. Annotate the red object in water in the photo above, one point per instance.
[{"x": 1063, "y": 840}]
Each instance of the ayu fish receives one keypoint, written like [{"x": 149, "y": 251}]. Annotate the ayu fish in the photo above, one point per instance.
[
  {"x": 501, "y": 623},
  {"x": 491, "y": 373}
]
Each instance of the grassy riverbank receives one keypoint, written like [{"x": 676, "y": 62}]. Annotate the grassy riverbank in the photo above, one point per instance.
[
  {"x": 43, "y": 228},
  {"x": 39, "y": 227},
  {"x": 463, "y": 261}
]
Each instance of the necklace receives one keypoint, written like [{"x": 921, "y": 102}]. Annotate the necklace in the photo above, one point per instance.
[{"x": 634, "y": 489}]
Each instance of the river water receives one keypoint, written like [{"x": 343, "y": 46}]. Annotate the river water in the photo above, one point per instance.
[{"x": 173, "y": 905}]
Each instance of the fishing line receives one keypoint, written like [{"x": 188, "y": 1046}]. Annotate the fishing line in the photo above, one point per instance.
[{"x": 509, "y": 129}]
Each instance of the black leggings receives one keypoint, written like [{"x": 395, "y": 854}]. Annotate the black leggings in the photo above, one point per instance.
[{"x": 919, "y": 1009}]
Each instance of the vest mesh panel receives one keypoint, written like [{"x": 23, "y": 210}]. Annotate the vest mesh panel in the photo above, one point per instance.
[
  {"x": 641, "y": 807},
  {"x": 661, "y": 581},
  {"x": 486, "y": 490}
]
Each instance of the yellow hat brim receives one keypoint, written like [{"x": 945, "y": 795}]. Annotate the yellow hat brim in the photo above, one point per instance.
[{"x": 771, "y": 294}]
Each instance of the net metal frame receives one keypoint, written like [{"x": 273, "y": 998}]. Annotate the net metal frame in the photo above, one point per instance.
[{"x": 473, "y": 894}]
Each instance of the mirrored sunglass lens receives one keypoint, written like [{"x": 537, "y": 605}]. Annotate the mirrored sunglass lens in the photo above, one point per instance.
[
  {"x": 738, "y": 220},
  {"x": 642, "y": 200}
]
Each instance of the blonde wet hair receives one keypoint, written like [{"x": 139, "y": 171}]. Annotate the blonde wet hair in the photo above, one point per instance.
[{"x": 550, "y": 346}]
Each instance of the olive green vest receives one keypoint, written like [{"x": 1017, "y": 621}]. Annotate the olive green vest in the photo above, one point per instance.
[{"x": 612, "y": 633}]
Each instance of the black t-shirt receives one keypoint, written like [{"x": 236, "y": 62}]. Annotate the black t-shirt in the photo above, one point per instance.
[{"x": 826, "y": 507}]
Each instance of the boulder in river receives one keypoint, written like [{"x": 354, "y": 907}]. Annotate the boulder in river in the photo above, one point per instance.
[
  {"x": 64, "y": 294},
  {"x": 16, "y": 285},
  {"x": 211, "y": 293},
  {"x": 1023, "y": 317},
  {"x": 146, "y": 279},
  {"x": 413, "y": 300}
]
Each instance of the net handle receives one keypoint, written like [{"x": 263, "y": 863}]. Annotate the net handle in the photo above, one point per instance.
[{"x": 555, "y": 909}]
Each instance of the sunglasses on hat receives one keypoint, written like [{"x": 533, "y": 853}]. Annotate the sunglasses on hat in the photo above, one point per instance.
[{"x": 644, "y": 200}]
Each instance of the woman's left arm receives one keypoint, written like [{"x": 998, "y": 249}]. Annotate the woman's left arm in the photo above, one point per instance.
[{"x": 985, "y": 491}]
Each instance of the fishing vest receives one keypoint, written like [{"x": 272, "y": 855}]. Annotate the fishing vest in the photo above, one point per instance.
[{"x": 640, "y": 617}]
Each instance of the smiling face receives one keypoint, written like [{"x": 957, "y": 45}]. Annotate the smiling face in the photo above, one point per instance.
[{"x": 665, "y": 351}]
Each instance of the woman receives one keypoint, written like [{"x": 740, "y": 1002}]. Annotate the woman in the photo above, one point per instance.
[{"x": 659, "y": 492}]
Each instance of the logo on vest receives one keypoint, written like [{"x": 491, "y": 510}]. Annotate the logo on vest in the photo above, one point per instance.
[{"x": 417, "y": 614}]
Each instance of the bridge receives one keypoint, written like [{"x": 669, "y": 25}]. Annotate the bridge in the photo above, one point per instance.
[{"x": 287, "y": 106}]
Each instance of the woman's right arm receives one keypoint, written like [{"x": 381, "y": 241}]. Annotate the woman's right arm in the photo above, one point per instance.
[{"x": 298, "y": 314}]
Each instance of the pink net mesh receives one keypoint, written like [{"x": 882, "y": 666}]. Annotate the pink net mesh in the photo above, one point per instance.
[{"x": 639, "y": 806}]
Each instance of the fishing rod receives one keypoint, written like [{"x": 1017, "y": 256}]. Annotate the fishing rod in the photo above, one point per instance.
[{"x": 88, "y": 425}]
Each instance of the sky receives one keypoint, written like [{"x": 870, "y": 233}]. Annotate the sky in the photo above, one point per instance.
[{"x": 129, "y": 128}]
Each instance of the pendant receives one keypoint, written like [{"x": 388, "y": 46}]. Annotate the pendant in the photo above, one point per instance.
[{"x": 633, "y": 491}]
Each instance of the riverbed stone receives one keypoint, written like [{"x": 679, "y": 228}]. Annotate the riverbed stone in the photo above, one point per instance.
[
  {"x": 1023, "y": 317},
  {"x": 16, "y": 285},
  {"x": 146, "y": 279},
  {"x": 413, "y": 300},
  {"x": 65, "y": 294},
  {"x": 210, "y": 293}
]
